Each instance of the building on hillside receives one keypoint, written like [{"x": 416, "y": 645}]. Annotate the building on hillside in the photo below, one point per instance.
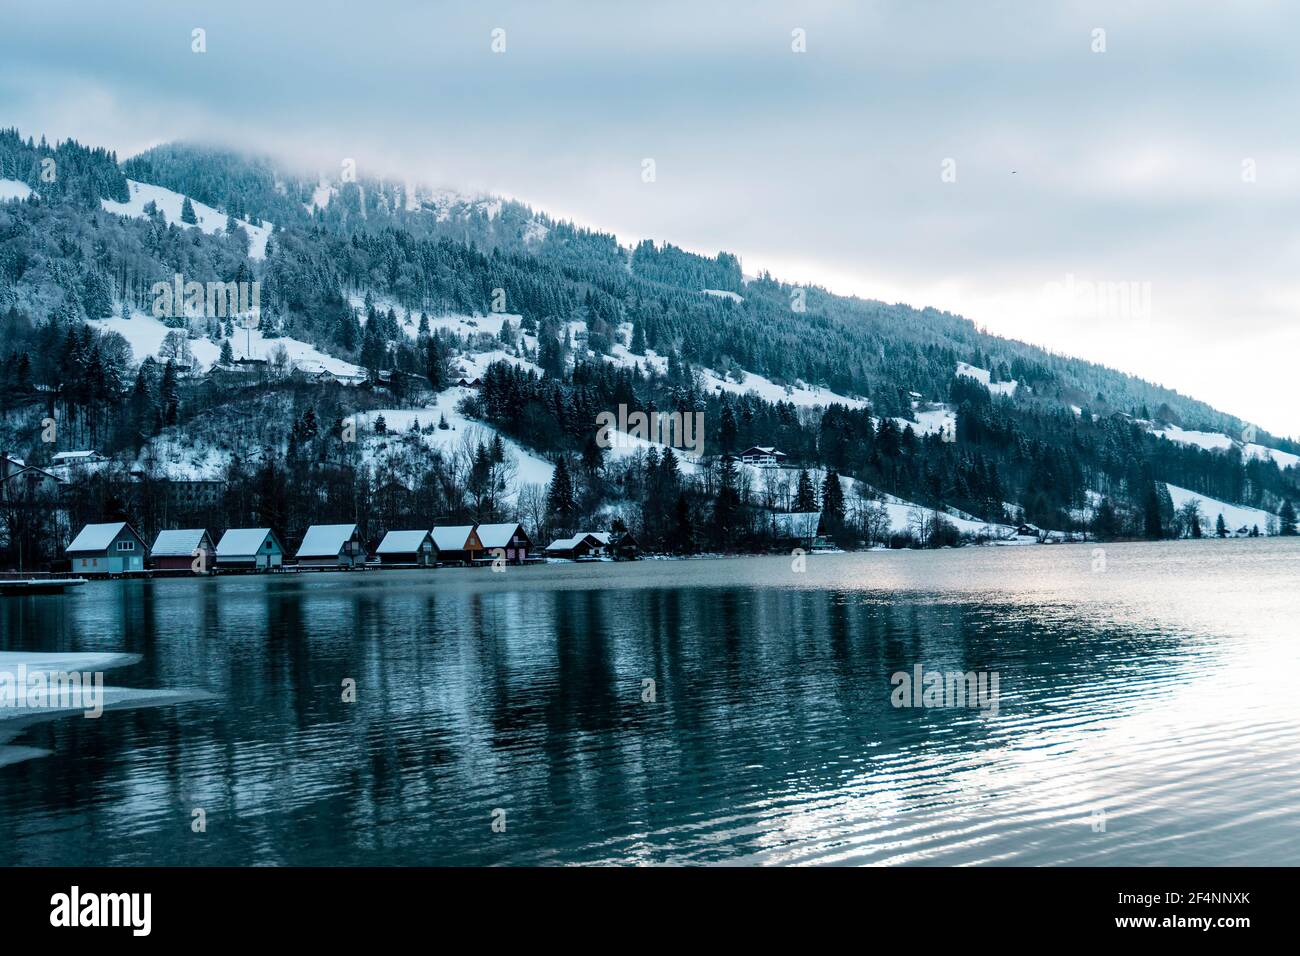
[
  {"x": 510, "y": 539},
  {"x": 183, "y": 494},
  {"x": 800, "y": 529},
  {"x": 457, "y": 544},
  {"x": 765, "y": 456},
  {"x": 185, "y": 549},
  {"x": 249, "y": 549},
  {"x": 77, "y": 458},
  {"x": 331, "y": 546},
  {"x": 29, "y": 483},
  {"x": 107, "y": 549},
  {"x": 240, "y": 371},
  {"x": 34, "y": 509},
  {"x": 326, "y": 376},
  {"x": 408, "y": 549}
]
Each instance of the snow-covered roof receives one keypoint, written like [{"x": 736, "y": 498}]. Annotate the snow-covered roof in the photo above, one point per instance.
[
  {"x": 325, "y": 540},
  {"x": 563, "y": 544},
  {"x": 401, "y": 542},
  {"x": 241, "y": 542},
  {"x": 96, "y": 537},
  {"x": 496, "y": 535},
  {"x": 452, "y": 538},
  {"x": 182, "y": 543},
  {"x": 72, "y": 455}
]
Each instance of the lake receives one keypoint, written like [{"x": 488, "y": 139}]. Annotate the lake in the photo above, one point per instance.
[{"x": 1147, "y": 713}]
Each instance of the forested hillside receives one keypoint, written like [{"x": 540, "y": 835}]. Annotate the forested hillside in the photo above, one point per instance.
[{"x": 380, "y": 296}]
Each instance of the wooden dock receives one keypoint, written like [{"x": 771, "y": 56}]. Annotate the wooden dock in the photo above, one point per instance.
[{"x": 37, "y": 583}]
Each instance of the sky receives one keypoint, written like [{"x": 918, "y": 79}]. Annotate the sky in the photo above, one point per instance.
[{"x": 1128, "y": 196}]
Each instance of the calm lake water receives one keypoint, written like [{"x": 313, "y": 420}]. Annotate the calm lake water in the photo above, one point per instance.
[{"x": 1158, "y": 696}]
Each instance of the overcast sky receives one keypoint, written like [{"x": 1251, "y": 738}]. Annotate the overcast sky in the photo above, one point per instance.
[{"x": 1167, "y": 166}]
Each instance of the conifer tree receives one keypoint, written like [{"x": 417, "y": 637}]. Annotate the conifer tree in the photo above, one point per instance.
[
  {"x": 560, "y": 500},
  {"x": 805, "y": 498},
  {"x": 1288, "y": 518}
]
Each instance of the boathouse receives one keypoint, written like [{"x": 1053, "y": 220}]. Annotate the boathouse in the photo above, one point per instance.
[
  {"x": 186, "y": 549},
  {"x": 508, "y": 538},
  {"x": 107, "y": 549},
  {"x": 252, "y": 549},
  {"x": 408, "y": 549},
  {"x": 457, "y": 544},
  {"x": 581, "y": 546},
  {"x": 331, "y": 546}
]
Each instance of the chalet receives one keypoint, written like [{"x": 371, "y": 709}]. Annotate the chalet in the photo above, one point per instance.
[
  {"x": 187, "y": 549},
  {"x": 408, "y": 548},
  {"x": 508, "y": 538},
  {"x": 331, "y": 546},
  {"x": 240, "y": 370},
  {"x": 75, "y": 458},
  {"x": 107, "y": 549},
  {"x": 764, "y": 456},
  {"x": 457, "y": 544},
  {"x": 469, "y": 382},
  {"x": 800, "y": 529},
  {"x": 255, "y": 549},
  {"x": 327, "y": 376}
]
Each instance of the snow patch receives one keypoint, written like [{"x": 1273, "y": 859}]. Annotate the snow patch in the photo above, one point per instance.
[
  {"x": 169, "y": 203},
  {"x": 1234, "y": 516},
  {"x": 13, "y": 189},
  {"x": 984, "y": 377}
]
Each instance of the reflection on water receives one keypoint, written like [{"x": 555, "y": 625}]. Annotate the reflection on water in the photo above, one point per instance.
[{"x": 1147, "y": 714}]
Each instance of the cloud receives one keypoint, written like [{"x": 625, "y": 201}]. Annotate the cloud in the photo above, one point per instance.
[{"x": 822, "y": 166}]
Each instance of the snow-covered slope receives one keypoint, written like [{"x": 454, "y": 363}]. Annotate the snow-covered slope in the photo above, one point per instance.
[
  {"x": 798, "y": 394},
  {"x": 1234, "y": 516},
  {"x": 1217, "y": 441},
  {"x": 984, "y": 377},
  {"x": 13, "y": 189},
  {"x": 933, "y": 420},
  {"x": 169, "y": 203},
  {"x": 145, "y": 335},
  {"x": 724, "y": 294},
  {"x": 530, "y": 468}
]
